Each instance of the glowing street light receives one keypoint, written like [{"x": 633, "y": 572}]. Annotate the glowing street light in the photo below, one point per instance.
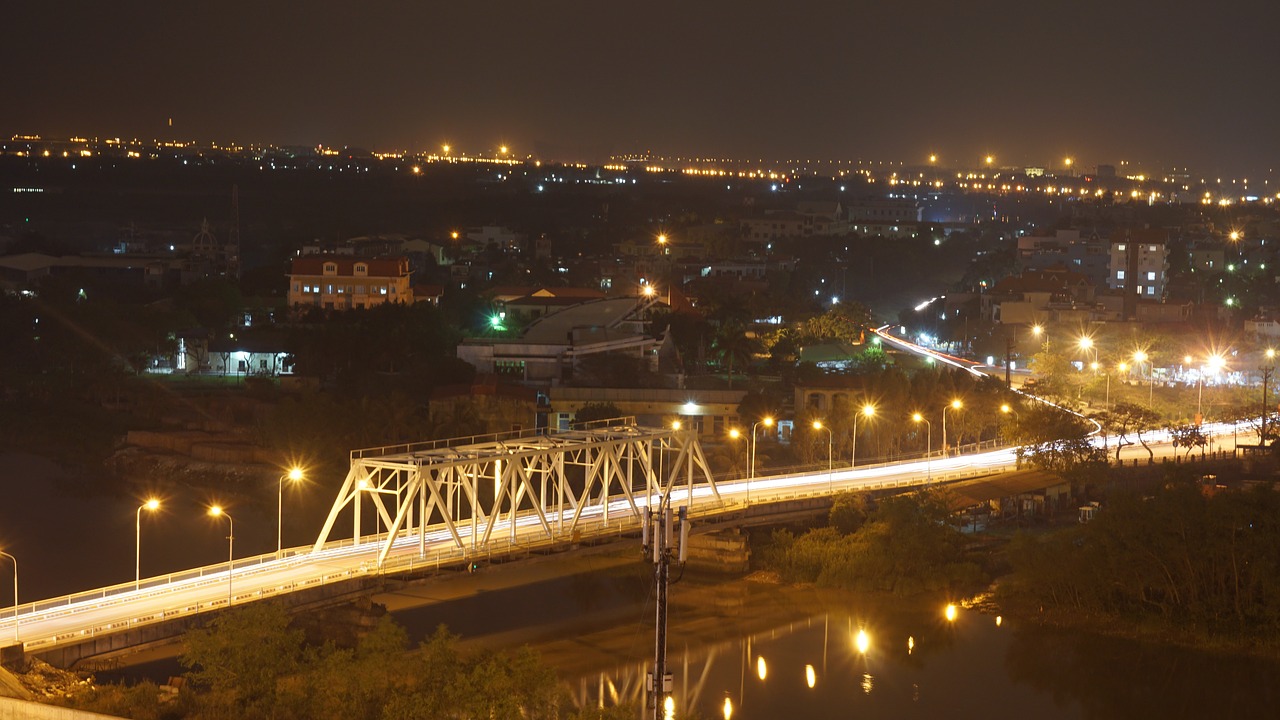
[
  {"x": 648, "y": 291},
  {"x": 950, "y": 612},
  {"x": 817, "y": 425},
  {"x": 928, "y": 447},
  {"x": 152, "y": 505},
  {"x": 1037, "y": 330},
  {"x": 295, "y": 475},
  {"x": 767, "y": 422},
  {"x": 445, "y": 148},
  {"x": 1139, "y": 357},
  {"x": 217, "y": 511},
  {"x": 1006, "y": 409},
  {"x": 15, "y": 594},
  {"x": 868, "y": 411},
  {"x": 953, "y": 405}
]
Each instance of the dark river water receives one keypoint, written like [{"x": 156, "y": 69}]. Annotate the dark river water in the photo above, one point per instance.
[{"x": 766, "y": 651}]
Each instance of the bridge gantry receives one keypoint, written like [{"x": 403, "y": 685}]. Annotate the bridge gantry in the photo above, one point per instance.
[{"x": 546, "y": 484}]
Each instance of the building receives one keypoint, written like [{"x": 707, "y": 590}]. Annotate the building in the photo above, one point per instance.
[
  {"x": 552, "y": 348},
  {"x": 501, "y": 407},
  {"x": 1035, "y": 296},
  {"x": 1139, "y": 266},
  {"x": 339, "y": 282},
  {"x": 885, "y": 211},
  {"x": 708, "y": 413}
]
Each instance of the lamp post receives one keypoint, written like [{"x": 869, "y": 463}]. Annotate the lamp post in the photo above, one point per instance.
[
  {"x": 217, "y": 511},
  {"x": 928, "y": 447},
  {"x": 152, "y": 505},
  {"x": 1266, "y": 376},
  {"x": 767, "y": 422},
  {"x": 734, "y": 434},
  {"x": 15, "y": 594},
  {"x": 868, "y": 411},
  {"x": 294, "y": 475},
  {"x": 817, "y": 425},
  {"x": 1140, "y": 357},
  {"x": 954, "y": 405}
]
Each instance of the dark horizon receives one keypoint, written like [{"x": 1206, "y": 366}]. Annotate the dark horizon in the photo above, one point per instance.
[{"x": 1186, "y": 84}]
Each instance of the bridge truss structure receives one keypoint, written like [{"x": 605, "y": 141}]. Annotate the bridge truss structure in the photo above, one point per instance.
[{"x": 541, "y": 486}]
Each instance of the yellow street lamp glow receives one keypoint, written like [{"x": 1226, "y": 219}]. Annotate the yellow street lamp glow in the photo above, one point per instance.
[
  {"x": 767, "y": 422},
  {"x": 446, "y": 149},
  {"x": 453, "y": 235},
  {"x": 669, "y": 708},
  {"x": 1086, "y": 342},
  {"x": 1217, "y": 362},
  {"x": 862, "y": 642},
  {"x": 1123, "y": 367},
  {"x": 911, "y": 643},
  {"x": 503, "y": 149},
  {"x": 1235, "y": 235},
  {"x": 1186, "y": 359},
  {"x": 762, "y": 670},
  {"x": 675, "y": 425},
  {"x": 152, "y": 504},
  {"x": 1006, "y": 409},
  {"x": 734, "y": 433},
  {"x": 951, "y": 612},
  {"x": 662, "y": 239},
  {"x": 1139, "y": 356},
  {"x": 956, "y": 404},
  {"x": 933, "y": 158},
  {"x": 868, "y": 410},
  {"x": 648, "y": 291},
  {"x": 817, "y": 424},
  {"x": 1069, "y": 162},
  {"x": 810, "y": 676},
  {"x": 1271, "y": 353},
  {"x": 1036, "y": 330},
  {"x": 295, "y": 474},
  {"x": 728, "y": 708},
  {"x": 215, "y": 510}
]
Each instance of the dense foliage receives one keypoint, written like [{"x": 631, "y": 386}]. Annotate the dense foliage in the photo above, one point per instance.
[
  {"x": 251, "y": 664},
  {"x": 902, "y": 546},
  {"x": 1179, "y": 558}
]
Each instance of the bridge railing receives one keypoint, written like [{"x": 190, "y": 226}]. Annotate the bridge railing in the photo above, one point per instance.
[{"x": 528, "y": 539}]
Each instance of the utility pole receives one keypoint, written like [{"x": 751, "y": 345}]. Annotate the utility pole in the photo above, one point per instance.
[
  {"x": 659, "y": 536},
  {"x": 1008, "y": 356},
  {"x": 1262, "y": 435}
]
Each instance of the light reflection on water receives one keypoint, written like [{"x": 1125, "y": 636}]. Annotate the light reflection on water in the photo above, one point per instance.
[{"x": 975, "y": 666}]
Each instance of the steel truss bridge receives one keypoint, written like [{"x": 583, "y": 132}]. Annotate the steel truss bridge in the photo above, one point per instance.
[{"x": 450, "y": 503}]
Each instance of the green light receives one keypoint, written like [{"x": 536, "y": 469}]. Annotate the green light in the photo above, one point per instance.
[{"x": 495, "y": 321}]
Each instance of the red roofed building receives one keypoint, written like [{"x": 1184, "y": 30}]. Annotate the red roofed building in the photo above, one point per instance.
[{"x": 342, "y": 282}]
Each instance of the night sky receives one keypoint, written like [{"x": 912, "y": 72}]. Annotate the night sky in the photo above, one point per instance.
[{"x": 1161, "y": 84}]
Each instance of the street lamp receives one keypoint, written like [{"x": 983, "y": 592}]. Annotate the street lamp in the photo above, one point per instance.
[
  {"x": 767, "y": 422},
  {"x": 1086, "y": 344},
  {"x": 1216, "y": 363},
  {"x": 152, "y": 505},
  {"x": 954, "y": 405},
  {"x": 15, "y": 594},
  {"x": 217, "y": 511},
  {"x": 928, "y": 446},
  {"x": 868, "y": 411},
  {"x": 1140, "y": 357},
  {"x": 1006, "y": 409},
  {"x": 295, "y": 475},
  {"x": 817, "y": 425}
]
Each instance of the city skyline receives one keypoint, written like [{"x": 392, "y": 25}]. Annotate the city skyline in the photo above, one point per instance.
[{"x": 1185, "y": 86}]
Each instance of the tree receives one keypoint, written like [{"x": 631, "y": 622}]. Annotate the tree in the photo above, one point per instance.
[
  {"x": 1188, "y": 436},
  {"x": 733, "y": 347},
  {"x": 1126, "y": 418},
  {"x": 241, "y": 657},
  {"x": 593, "y": 411}
]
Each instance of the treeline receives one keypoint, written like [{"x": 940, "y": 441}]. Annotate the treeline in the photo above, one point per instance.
[
  {"x": 1178, "y": 559},
  {"x": 901, "y": 544},
  {"x": 251, "y": 664}
]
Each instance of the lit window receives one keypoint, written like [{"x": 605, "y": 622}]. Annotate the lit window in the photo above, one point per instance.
[
  {"x": 1120, "y": 247},
  {"x": 1151, "y": 290},
  {"x": 1151, "y": 275},
  {"x": 1119, "y": 274}
]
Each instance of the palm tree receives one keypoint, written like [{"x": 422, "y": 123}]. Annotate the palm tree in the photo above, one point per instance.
[{"x": 732, "y": 346}]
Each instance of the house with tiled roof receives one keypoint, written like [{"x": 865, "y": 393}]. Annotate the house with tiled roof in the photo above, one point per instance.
[{"x": 344, "y": 282}]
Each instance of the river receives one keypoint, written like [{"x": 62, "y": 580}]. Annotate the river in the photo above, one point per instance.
[{"x": 770, "y": 651}]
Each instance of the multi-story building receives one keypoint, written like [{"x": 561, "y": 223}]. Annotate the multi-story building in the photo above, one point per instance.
[
  {"x": 340, "y": 282},
  {"x": 1139, "y": 266},
  {"x": 1139, "y": 263}
]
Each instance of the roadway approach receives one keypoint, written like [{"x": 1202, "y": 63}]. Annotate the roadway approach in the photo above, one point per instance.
[{"x": 427, "y": 508}]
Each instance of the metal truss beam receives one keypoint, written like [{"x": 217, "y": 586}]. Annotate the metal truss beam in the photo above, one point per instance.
[{"x": 529, "y": 487}]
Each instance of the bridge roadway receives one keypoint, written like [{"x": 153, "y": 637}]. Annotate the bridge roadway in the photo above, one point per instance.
[{"x": 45, "y": 625}]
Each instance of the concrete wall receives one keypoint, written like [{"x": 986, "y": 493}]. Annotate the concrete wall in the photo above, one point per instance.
[{"x": 11, "y": 709}]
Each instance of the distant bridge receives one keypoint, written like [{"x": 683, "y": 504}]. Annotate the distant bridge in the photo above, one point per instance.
[{"x": 446, "y": 504}]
